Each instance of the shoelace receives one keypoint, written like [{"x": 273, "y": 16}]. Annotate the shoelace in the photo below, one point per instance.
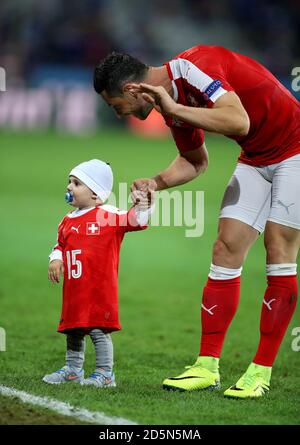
[
  {"x": 248, "y": 380},
  {"x": 194, "y": 366},
  {"x": 61, "y": 371},
  {"x": 95, "y": 375}
]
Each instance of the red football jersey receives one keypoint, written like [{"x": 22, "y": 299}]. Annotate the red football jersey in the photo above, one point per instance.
[
  {"x": 90, "y": 245},
  {"x": 202, "y": 74}
]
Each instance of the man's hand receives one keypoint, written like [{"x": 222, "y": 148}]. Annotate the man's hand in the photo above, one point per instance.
[
  {"x": 56, "y": 268},
  {"x": 156, "y": 96},
  {"x": 142, "y": 200},
  {"x": 144, "y": 184},
  {"x": 142, "y": 192}
]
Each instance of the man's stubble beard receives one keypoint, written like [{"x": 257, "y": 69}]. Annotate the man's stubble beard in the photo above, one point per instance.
[{"x": 143, "y": 112}]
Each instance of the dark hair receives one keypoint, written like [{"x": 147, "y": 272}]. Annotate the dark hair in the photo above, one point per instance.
[{"x": 116, "y": 69}]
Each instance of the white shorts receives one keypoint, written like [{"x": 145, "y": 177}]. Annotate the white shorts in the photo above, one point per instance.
[{"x": 256, "y": 195}]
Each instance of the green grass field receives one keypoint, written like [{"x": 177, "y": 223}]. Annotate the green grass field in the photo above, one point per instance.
[{"x": 160, "y": 285}]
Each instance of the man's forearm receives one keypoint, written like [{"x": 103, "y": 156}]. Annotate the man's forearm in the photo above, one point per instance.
[
  {"x": 224, "y": 120},
  {"x": 179, "y": 172}
]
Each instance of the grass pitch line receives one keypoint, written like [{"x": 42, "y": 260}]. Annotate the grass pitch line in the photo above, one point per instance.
[{"x": 64, "y": 408}]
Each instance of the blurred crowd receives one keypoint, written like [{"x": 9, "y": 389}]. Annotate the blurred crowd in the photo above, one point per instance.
[{"x": 80, "y": 32}]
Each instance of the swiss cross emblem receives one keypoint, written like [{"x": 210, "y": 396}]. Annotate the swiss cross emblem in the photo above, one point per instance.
[{"x": 92, "y": 228}]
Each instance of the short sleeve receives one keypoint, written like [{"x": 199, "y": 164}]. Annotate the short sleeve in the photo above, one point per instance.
[
  {"x": 187, "y": 138},
  {"x": 129, "y": 222},
  {"x": 207, "y": 72},
  {"x": 57, "y": 250}
]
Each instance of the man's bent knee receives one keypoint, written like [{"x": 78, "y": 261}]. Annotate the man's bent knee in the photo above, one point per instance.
[
  {"x": 281, "y": 243},
  {"x": 227, "y": 254},
  {"x": 234, "y": 240}
]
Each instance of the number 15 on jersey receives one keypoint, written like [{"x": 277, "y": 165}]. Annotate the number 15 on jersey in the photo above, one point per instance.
[{"x": 74, "y": 264}]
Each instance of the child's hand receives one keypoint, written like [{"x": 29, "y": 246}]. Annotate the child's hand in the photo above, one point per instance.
[
  {"x": 142, "y": 199},
  {"x": 56, "y": 268}
]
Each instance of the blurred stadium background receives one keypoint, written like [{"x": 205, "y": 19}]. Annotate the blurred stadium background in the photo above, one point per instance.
[
  {"x": 49, "y": 48},
  {"x": 51, "y": 119}
]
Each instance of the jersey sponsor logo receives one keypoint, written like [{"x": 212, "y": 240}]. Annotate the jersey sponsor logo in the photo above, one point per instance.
[
  {"x": 92, "y": 228},
  {"x": 76, "y": 228},
  {"x": 212, "y": 88}
]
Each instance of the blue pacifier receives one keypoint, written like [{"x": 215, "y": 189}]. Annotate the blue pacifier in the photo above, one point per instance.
[{"x": 69, "y": 197}]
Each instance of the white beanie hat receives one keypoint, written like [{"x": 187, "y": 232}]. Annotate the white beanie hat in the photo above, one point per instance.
[{"x": 96, "y": 175}]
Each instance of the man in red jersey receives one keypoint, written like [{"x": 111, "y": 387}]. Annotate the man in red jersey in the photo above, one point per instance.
[{"x": 211, "y": 88}]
